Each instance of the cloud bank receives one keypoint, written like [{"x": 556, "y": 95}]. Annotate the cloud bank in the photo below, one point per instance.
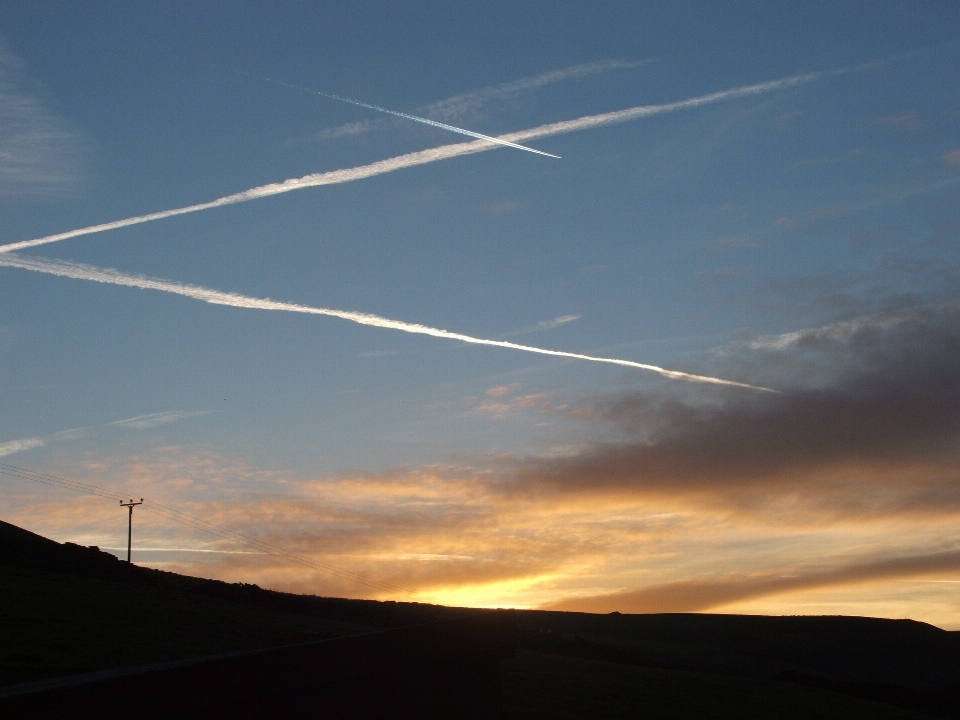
[
  {"x": 684, "y": 503},
  {"x": 891, "y": 413}
]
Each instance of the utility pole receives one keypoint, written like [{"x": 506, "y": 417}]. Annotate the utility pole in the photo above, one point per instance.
[{"x": 130, "y": 505}]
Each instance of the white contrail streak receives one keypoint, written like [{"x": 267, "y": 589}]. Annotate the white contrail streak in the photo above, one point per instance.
[
  {"x": 442, "y": 126},
  {"x": 80, "y": 271},
  {"x": 415, "y": 118},
  {"x": 423, "y": 157}
]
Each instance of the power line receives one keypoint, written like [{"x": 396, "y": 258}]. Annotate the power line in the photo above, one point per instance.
[{"x": 201, "y": 525}]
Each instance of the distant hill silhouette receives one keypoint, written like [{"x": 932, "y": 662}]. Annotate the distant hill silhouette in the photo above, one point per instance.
[{"x": 903, "y": 662}]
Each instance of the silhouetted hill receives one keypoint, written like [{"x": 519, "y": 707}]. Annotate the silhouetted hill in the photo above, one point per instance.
[
  {"x": 69, "y": 609},
  {"x": 903, "y": 662},
  {"x": 24, "y": 549},
  {"x": 906, "y": 652}
]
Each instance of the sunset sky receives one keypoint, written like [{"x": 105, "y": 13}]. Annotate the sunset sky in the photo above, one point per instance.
[{"x": 755, "y": 214}]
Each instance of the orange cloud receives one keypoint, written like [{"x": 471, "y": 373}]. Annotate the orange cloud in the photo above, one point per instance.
[{"x": 707, "y": 594}]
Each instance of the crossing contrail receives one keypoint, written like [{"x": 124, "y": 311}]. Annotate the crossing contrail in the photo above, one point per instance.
[
  {"x": 423, "y": 157},
  {"x": 81, "y": 271},
  {"x": 415, "y": 118}
]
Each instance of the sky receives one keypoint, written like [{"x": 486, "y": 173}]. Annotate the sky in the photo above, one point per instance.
[{"x": 704, "y": 360}]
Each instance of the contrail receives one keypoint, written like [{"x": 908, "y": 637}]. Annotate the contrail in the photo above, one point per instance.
[
  {"x": 415, "y": 118},
  {"x": 423, "y": 157},
  {"x": 80, "y": 271}
]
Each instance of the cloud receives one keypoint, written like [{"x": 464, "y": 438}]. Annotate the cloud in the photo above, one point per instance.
[
  {"x": 710, "y": 593},
  {"x": 140, "y": 422},
  {"x": 556, "y": 322},
  {"x": 498, "y": 209},
  {"x": 499, "y": 407},
  {"x": 795, "y": 222},
  {"x": 882, "y": 436},
  {"x": 829, "y": 159},
  {"x": 15, "y": 446},
  {"x": 40, "y": 156},
  {"x": 80, "y": 271},
  {"x": 501, "y": 390},
  {"x": 148, "y": 422},
  {"x": 951, "y": 159},
  {"x": 842, "y": 330},
  {"x": 899, "y": 121},
  {"x": 469, "y": 103},
  {"x": 432, "y": 155},
  {"x": 346, "y": 130},
  {"x": 545, "y": 325}
]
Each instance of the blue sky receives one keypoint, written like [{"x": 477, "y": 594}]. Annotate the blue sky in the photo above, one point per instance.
[{"x": 802, "y": 238}]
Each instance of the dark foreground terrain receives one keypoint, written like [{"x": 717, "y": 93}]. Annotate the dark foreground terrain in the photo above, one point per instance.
[{"x": 67, "y": 610}]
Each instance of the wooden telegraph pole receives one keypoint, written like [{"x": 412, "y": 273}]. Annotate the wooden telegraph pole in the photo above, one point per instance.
[{"x": 130, "y": 505}]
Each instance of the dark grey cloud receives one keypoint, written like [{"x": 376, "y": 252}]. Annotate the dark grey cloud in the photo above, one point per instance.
[{"x": 885, "y": 412}]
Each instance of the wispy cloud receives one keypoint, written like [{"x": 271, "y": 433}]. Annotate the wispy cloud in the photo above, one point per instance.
[
  {"x": 429, "y": 156},
  {"x": 951, "y": 159},
  {"x": 544, "y": 325},
  {"x": 140, "y": 422},
  {"x": 15, "y": 446},
  {"x": 345, "y": 130},
  {"x": 80, "y": 271},
  {"x": 148, "y": 422},
  {"x": 40, "y": 156},
  {"x": 836, "y": 331},
  {"x": 899, "y": 121},
  {"x": 471, "y": 104},
  {"x": 556, "y": 322}
]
